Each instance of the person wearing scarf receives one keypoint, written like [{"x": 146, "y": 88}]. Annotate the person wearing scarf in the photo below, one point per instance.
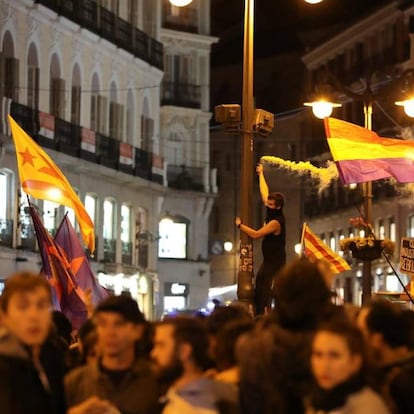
[
  {"x": 273, "y": 234},
  {"x": 340, "y": 370}
]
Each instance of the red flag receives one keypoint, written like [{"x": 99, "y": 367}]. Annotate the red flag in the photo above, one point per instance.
[
  {"x": 315, "y": 248},
  {"x": 68, "y": 296},
  {"x": 68, "y": 240}
]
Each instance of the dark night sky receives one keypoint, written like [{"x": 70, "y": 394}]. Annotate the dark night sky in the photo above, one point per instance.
[
  {"x": 279, "y": 24},
  {"x": 283, "y": 29}
]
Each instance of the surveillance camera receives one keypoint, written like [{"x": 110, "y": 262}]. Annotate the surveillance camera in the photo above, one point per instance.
[
  {"x": 263, "y": 122},
  {"x": 229, "y": 115}
]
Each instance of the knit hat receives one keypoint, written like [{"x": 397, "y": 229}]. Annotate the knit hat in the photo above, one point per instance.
[{"x": 124, "y": 305}]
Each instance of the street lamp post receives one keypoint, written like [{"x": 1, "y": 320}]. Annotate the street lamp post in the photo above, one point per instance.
[{"x": 245, "y": 273}]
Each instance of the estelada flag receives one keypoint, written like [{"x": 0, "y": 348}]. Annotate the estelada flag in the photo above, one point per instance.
[
  {"x": 361, "y": 155},
  {"x": 68, "y": 240},
  {"x": 67, "y": 295},
  {"x": 41, "y": 178},
  {"x": 315, "y": 248}
]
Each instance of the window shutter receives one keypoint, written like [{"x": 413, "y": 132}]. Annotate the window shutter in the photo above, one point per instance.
[
  {"x": 75, "y": 105},
  {"x": 102, "y": 113},
  {"x": 61, "y": 98},
  {"x": 2, "y": 75},
  {"x": 120, "y": 119},
  {"x": 11, "y": 78},
  {"x": 33, "y": 87},
  {"x": 94, "y": 113},
  {"x": 112, "y": 120}
]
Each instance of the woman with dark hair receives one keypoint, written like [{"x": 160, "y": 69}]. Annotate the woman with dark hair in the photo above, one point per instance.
[{"x": 340, "y": 369}]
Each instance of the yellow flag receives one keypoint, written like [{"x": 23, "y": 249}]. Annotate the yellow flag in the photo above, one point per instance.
[{"x": 41, "y": 178}]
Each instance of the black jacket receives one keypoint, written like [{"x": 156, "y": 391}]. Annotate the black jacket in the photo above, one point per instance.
[{"x": 21, "y": 389}]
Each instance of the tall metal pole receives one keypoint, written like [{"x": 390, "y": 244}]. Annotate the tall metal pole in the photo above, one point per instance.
[
  {"x": 245, "y": 274},
  {"x": 367, "y": 198}
]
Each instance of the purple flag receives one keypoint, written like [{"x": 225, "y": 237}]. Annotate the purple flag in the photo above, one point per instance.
[
  {"x": 68, "y": 240},
  {"x": 67, "y": 294}
]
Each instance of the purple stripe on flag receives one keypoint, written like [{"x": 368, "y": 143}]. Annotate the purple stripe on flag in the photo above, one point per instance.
[{"x": 360, "y": 171}]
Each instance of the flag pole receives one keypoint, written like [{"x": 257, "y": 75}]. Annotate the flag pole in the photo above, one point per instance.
[{"x": 302, "y": 240}]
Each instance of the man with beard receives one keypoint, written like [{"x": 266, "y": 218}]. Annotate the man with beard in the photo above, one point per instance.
[
  {"x": 180, "y": 357},
  {"x": 121, "y": 380},
  {"x": 273, "y": 233}
]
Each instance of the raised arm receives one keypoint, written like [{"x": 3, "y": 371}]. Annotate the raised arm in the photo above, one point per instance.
[
  {"x": 272, "y": 227},
  {"x": 264, "y": 189}
]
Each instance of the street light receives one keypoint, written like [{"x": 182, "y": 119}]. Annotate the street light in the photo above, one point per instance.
[
  {"x": 367, "y": 96},
  {"x": 180, "y": 3}
]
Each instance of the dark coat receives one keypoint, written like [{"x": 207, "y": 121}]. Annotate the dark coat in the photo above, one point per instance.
[
  {"x": 136, "y": 394},
  {"x": 21, "y": 389}
]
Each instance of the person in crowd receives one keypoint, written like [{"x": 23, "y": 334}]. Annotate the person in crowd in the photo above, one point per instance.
[
  {"x": 340, "y": 369},
  {"x": 273, "y": 233},
  {"x": 386, "y": 328},
  {"x": 227, "y": 369},
  {"x": 31, "y": 368},
  {"x": 119, "y": 381},
  {"x": 219, "y": 318},
  {"x": 180, "y": 354},
  {"x": 274, "y": 358},
  {"x": 85, "y": 349}
]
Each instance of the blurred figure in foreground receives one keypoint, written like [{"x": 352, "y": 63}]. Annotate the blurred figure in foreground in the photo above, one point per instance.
[
  {"x": 31, "y": 371},
  {"x": 339, "y": 367}
]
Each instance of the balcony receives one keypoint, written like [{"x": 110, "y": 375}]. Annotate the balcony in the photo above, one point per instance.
[
  {"x": 27, "y": 237},
  {"x": 104, "y": 23},
  {"x": 109, "y": 250},
  {"x": 6, "y": 232},
  {"x": 180, "y": 94},
  {"x": 96, "y": 148},
  {"x": 127, "y": 253},
  {"x": 181, "y": 177}
]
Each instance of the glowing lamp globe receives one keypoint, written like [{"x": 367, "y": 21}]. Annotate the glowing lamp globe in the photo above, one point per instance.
[
  {"x": 322, "y": 109},
  {"x": 180, "y": 3},
  {"x": 408, "y": 106},
  {"x": 313, "y": 1}
]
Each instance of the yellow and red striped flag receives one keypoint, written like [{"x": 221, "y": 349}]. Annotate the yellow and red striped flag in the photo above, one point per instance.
[
  {"x": 41, "y": 178},
  {"x": 315, "y": 248}
]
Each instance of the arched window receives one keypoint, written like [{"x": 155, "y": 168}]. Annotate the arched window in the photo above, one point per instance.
[
  {"x": 75, "y": 102},
  {"x": 33, "y": 78},
  {"x": 90, "y": 206},
  {"x": 50, "y": 216},
  {"x": 9, "y": 87},
  {"x": 57, "y": 89}
]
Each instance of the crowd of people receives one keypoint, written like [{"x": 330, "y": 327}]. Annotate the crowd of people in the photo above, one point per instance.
[{"x": 307, "y": 355}]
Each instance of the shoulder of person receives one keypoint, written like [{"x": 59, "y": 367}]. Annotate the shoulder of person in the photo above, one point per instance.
[{"x": 367, "y": 401}]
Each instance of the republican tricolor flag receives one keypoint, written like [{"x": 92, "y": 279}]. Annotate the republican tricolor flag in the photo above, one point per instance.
[
  {"x": 314, "y": 248},
  {"x": 361, "y": 155}
]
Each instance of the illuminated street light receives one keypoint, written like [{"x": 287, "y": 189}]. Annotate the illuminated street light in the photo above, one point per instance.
[
  {"x": 408, "y": 105},
  {"x": 313, "y": 1},
  {"x": 322, "y": 108},
  {"x": 228, "y": 246},
  {"x": 180, "y": 3}
]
